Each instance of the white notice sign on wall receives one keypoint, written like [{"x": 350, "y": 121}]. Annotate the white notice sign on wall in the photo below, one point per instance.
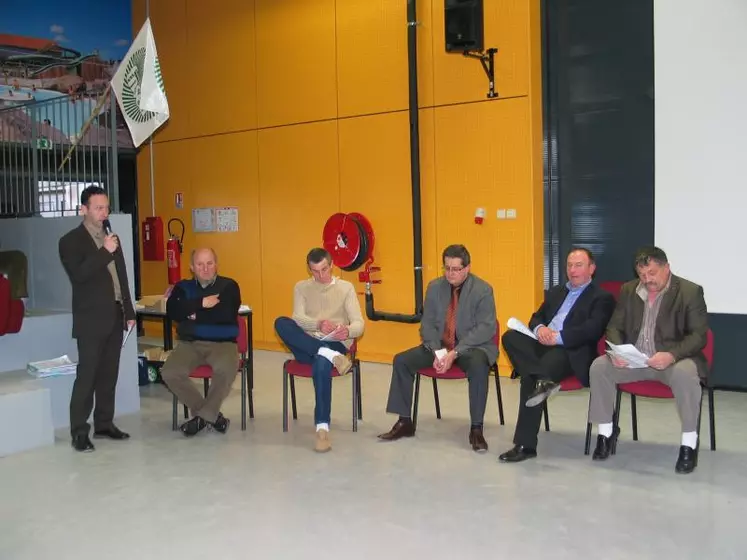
[{"x": 227, "y": 219}]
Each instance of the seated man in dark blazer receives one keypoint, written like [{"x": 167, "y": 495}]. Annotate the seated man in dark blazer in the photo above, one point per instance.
[
  {"x": 664, "y": 317},
  {"x": 568, "y": 326},
  {"x": 458, "y": 327}
]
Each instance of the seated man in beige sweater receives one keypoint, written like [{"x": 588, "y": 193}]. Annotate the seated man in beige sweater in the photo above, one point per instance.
[{"x": 324, "y": 307}]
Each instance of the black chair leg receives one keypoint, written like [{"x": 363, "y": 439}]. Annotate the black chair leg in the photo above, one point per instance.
[
  {"x": 634, "y": 417},
  {"x": 416, "y": 399},
  {"x": 354, "y": 384},
  {"x": 206, "y": 385},
  {"x": 435, "y": 398},
  {"x": 546, "y": 414},
  {"x": 712, "y": 418},
  {"x": 587, "y": 446},
  {"x": 293, "y": 396},
  {"x": 500, "y": 398},
  {"x": 616, "y": 419},
  {"x": 285, "y": 400},
  {"x": 174, "y": 414},
  {"x": 360, "y": 391},
  {"x": 186, "y": 412},
  {"x": 243, "y": 399}
]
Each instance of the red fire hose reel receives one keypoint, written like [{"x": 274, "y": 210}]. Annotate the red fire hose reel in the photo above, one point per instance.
[{"x": 349, "y": 238}]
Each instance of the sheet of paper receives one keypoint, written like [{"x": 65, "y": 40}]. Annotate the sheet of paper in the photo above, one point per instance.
[
  {"x": 635, "y": 358},
  {"x": 127, "y": 336},
  {"x": 441, "y": 353},
  {"x": 329, "y": 336},
  {"x": 516, "y": 325}
]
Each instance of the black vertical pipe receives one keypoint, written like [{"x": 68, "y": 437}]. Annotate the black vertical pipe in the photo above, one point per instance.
[{"x": 417, "y": 233}]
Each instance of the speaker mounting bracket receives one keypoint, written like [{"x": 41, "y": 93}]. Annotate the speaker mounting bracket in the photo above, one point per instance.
[{"x": 487, "y": 59}]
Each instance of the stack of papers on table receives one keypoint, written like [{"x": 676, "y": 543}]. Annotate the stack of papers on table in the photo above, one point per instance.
[{"x": 49, "y": 368}]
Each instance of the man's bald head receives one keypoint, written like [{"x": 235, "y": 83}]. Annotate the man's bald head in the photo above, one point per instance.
[{"x": 204, "y": 264}]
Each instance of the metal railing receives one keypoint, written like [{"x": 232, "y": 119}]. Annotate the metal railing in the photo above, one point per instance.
[{"x": 37, "y": 178}]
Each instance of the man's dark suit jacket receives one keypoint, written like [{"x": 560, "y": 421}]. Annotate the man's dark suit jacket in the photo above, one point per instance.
[
  {"x": 681, "y": 326},
  {"x": 94, "y": 311},
  {"x": 583, "y": 326}
]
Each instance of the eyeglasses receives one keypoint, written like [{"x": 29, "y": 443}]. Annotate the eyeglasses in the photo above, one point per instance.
[{"x": 454, "y": 269}]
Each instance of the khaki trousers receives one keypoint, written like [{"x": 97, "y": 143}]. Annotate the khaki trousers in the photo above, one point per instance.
[
  {"x": 223, "y": 357},
  {"x": 681, "y": 376}
]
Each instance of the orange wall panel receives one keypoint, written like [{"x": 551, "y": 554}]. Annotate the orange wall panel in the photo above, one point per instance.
[
  {"x": 169, "y": 21},
  {"x": 459, "y": 79},
  {"x": 320, "y": 125},
  {"x": 484, "y": 160},
  {"x": 371, "y": 56},
  {"x": 299, "y": 189},
  {"x": 296, "y": 70},
  {"x": 221, "y": 66}
]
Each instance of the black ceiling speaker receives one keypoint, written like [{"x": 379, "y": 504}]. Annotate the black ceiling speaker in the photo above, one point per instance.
[{"x": 464, "y": 25}]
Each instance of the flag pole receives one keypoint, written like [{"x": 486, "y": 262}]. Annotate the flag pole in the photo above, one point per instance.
[
  {"x": 150, "y": 146},
  {"x": 87, "y": 124}
]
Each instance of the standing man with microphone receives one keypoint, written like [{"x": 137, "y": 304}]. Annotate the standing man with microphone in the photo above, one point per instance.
[{"x": 102, "y": 311}]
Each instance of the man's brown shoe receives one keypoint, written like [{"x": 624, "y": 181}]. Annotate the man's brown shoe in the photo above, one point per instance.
[
  {"x": 322, "y": 443},
  {"x": 402, "y": 428},
  {"x": 477, "y": 441},
  {"x": 342, "y": 364}
]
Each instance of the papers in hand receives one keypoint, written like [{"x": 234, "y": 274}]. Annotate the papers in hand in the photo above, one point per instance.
[
  {"x": 330, "y": 336},
  {"x": 49, "y": 368},
  {"x": 516, "y": 325},
  {"x": 635, "y": 358},
  {"x": 129, "y": 330}
]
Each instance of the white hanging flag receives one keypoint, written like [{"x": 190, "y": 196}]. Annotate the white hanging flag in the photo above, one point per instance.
[{"x": 138, "y": 86}]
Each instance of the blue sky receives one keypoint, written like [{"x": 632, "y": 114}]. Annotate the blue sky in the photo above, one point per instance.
[{"x": 83, "y": 25}]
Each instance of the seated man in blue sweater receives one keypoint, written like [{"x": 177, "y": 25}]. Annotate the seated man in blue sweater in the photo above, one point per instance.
[{"x": 206, "y": 309}]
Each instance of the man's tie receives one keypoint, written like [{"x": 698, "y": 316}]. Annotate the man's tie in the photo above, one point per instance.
[{"x": 449, "y": 338}]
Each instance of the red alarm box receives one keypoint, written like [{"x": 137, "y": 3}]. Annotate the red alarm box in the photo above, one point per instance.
[{"x": 153, "y": 244}]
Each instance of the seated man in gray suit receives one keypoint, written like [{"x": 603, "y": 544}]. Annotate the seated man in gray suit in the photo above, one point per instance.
[{"x": 458, "y": 327}]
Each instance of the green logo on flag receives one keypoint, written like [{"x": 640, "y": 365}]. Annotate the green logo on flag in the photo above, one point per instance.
[{"x": 132, "y": 85}]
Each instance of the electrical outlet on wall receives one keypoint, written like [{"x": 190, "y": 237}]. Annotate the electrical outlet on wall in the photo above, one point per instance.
[
  {"x": 501, "y": 214},
  {"x": 511, "y": 213}
]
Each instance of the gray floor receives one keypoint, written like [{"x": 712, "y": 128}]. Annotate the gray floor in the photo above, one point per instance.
[{"x": 265, "y": 494}]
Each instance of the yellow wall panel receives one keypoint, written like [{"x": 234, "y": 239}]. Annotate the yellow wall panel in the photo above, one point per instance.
[
  {"x": 221, "y": 47},
  {"x": 459, "y": 79},
  {"x": 299, "y": 190},
  {"x": 375, "y": 181},
  {"x": 484, "y": 160},
  {"x": 235, "y": 183},
  {"x": 296, "y": 70},
  {"x": 303, "y": 163},
  {"x": 371, "y": 56},
  {"x": 169, "y": 21}
]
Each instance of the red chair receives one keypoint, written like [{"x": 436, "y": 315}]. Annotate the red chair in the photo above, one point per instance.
[
  {"x": 205, "y": 372},
  {"x": 293, "y": 369},
  {"x": 572, "y": 383},
  {"x": 658, "y": 390},
  {"x": 453, "y": 373},
  {"x": 11, "y": 310}
]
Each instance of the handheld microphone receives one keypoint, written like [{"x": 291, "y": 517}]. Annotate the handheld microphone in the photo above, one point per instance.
[{"x": 107, "y": 227}]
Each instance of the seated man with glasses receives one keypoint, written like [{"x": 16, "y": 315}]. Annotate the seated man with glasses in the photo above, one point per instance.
[{"x": 458, "y": 327}]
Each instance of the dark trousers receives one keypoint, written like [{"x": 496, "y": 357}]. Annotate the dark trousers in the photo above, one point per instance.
[
  {"x": 304, "y": 348},
  {"x": 533, "y": 361},
  {"x": 474, "y": 362},
  {"x": 96, "y": 375}
]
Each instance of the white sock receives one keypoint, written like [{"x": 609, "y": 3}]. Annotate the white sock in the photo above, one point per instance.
[
  {"x": 690, "y": 439},
  {"x": 605, "y": 429},
  {"x": 328, "y": 353},
  {"x": 323, "y": 426}
]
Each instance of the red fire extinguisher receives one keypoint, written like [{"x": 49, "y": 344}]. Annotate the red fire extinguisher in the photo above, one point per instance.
[{"x": 174, "y": 249}]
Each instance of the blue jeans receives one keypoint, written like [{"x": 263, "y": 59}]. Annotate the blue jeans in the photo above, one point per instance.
[{"x": 304, "y": 348}]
